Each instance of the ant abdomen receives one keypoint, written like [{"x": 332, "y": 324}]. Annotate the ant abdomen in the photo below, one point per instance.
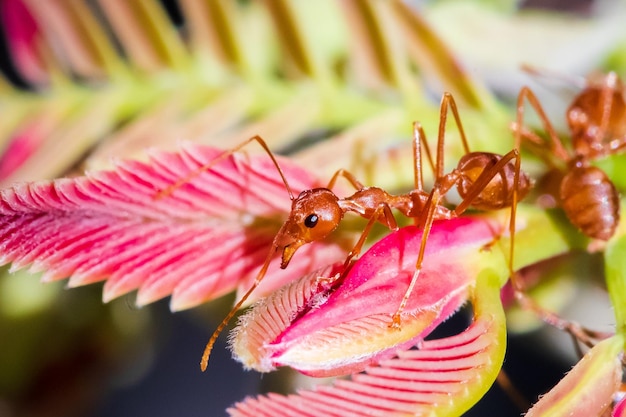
[
  {"x": 590, "y": 201},
  {"x": 498, "y": 193}
]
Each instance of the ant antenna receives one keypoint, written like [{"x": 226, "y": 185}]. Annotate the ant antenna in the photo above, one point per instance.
[
  {"x": 204, "y": 362},
  {"x": 173, "y": 187},
  {"x": 182, "y": 181},
  {"x": 551, "y": 75}
]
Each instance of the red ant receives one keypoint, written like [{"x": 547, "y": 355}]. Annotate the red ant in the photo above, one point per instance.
[
  {"x": 597, "y": 124},
  {"x": 485, "y": 181}
]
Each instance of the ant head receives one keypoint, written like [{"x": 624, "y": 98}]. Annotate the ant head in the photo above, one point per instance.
[{"x": 314, "y": 215}]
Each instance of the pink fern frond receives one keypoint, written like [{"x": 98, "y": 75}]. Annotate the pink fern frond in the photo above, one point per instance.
[{"x": 197, "y": 241}]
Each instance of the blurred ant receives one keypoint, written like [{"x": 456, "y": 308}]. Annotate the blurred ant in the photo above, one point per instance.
[
  {"x": 597, "y": 123},
  {"x": 485, "y": 181},
  {"x": 596, "y": 119}
]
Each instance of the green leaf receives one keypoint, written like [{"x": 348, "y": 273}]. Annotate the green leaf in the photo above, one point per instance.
[
  {"x": 587, "y": 390},
  {"x": 615, "y": 274}
]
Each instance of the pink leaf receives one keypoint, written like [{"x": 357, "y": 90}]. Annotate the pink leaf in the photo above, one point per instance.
[
  {"x": 326, "y": 338},
  {"x": 440, "y": 377},
  {"x": 197, "y": 243}
]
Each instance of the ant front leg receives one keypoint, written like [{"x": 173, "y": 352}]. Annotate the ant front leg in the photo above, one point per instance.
[{"x": 382, "y": 211}]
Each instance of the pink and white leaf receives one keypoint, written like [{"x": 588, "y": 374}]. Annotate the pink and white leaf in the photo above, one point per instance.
[
  {"x": 314, "y": 326},
  {"x": 197, "y": 242}
]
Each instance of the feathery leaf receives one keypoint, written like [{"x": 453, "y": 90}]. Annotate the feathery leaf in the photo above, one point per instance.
[{"x": 198, "y": 242}]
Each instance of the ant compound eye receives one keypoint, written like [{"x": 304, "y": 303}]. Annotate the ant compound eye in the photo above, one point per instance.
[{"x": 311, "y": 220}]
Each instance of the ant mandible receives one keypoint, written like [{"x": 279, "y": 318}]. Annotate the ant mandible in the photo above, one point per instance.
[
  {"x": 597, "y": 123},
  {"x": 485, "y": 181}
]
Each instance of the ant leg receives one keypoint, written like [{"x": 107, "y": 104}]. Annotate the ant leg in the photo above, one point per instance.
[
  {"x": 530, "y": 136},
  {"x": 580, "y": 333},
  {"x": 443, "y": 183},
  {"x": 433, "y": 200},
  {"x": 616, "y": 145},
  {"x": 557, "y": 144},
  {"x": 572, "y": 81},
  {"x": 348, "y": 176},
  {"x": 383, "y": 210},
  {"x": 606, "y": 96},
  {"x": 512, "y": 391},
  {"x": 173, "y": 187},
  {"x": 481, "y": 182},
  {"x": 447, "y": 101},
  {"x": 487, "y": 175},
  {"x": 608, "y": 90},
  {"x": 204, "y": 362},
  {"x": 419, "y": 140}
]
